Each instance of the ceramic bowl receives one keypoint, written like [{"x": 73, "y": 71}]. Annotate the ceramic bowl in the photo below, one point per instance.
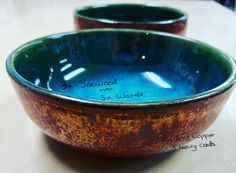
[
  {"x": 136, "y": 16},
  {"x": 121, "y": 92}
]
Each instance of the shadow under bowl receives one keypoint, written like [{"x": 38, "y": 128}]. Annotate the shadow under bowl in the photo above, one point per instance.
[
  {"x": 121, "y": 92},
  {"x": 136, "y": 16}
]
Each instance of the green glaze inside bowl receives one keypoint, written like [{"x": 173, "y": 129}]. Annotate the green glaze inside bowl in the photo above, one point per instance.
[
  {"x": 124, "y": 13},
  {"x": 121, "y": 66}
]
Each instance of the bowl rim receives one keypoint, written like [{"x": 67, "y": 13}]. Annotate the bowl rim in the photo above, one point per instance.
[
  {"x": 230, "y": 81},
  {"x": 183, "y": 17}
]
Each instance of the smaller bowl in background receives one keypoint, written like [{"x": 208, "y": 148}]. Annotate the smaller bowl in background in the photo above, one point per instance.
[{"x": 136, "y": 16}]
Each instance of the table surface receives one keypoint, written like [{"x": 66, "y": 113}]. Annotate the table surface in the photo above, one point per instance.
[{"x": 24, "y": 148}]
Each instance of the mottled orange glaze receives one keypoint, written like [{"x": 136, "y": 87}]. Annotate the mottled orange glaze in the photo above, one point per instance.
[{"x": 117, "y": 130}]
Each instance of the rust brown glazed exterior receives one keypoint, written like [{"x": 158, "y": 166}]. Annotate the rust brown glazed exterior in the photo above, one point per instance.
[
  {"x": 175, "y": 28},
  {"x": 118, "y": 131}
]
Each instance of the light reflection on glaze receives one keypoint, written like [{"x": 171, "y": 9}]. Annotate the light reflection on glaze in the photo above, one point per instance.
[
  {"x": 49, "y": 79},
  {"x": 63, "y": 61},
  {"x": 66, "y": 67},
  {"x": 156, "y": 79},
  {"x": 37, "y": 82},
  {"x": 74, "y": 73},
  {"x": 143, "y": 57}
]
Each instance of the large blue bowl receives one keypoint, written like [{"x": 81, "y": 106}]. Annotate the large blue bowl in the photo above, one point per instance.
[{"x": 121, "y": 92}]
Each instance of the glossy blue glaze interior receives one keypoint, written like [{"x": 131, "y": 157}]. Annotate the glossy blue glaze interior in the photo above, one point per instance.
[{"x": 121, "y": 67}]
